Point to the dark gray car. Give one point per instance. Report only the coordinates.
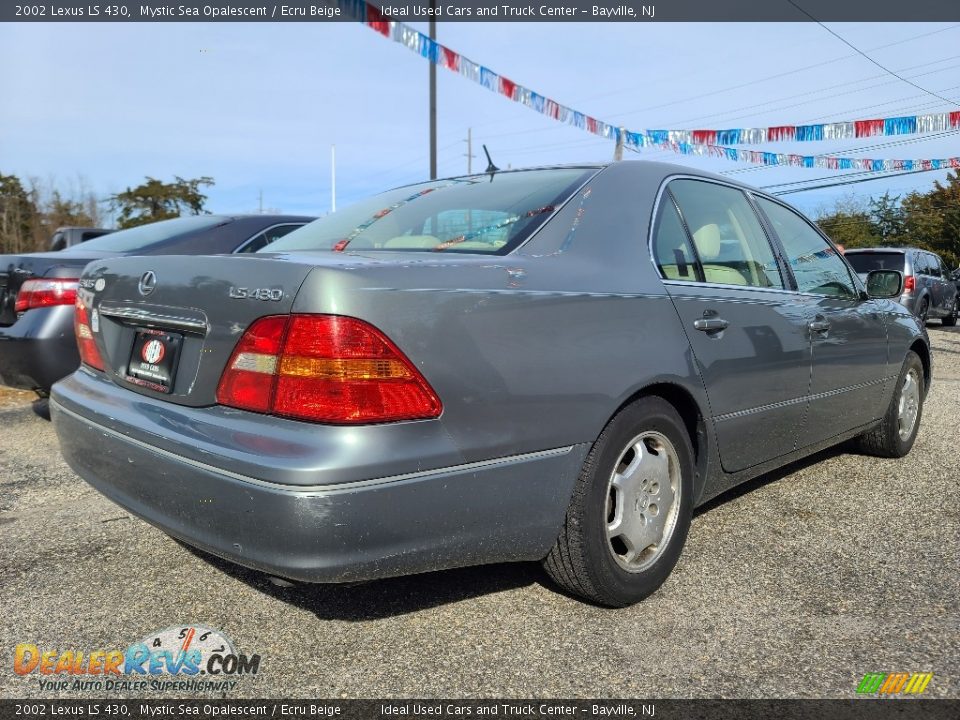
(928, 291)
(38, 290)
(555, 364)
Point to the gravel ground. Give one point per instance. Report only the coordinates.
(794, 585)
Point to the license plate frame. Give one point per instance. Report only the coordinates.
(154, 358)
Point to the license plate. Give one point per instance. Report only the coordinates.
(153, 361)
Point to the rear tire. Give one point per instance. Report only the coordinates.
(630, 512)
(923, 311)
(895, 435)
(951, 319)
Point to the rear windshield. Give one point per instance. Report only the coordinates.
(489, 214)
(143, 236)
(865, 262)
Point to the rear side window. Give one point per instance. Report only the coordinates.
(868, 261)
(727, 236)
(261, 240)
(815, 263)
(671, 246)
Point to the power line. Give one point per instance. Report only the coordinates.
(864, 55)
(855, 182)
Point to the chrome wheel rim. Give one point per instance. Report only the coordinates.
(643, 501)
(909, 404)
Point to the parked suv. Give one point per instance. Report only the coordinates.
(928, 289)
(66, 237)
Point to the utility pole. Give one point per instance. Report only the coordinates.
(618, 150)
(333, 178)
(470, 155)
(433, 95)
(261, 201)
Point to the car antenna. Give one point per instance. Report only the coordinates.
(491, 168)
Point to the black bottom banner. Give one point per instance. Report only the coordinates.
(859, 709)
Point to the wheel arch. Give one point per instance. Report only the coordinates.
(921, 349)
(694, 420)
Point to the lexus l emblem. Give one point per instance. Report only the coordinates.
(148, 281)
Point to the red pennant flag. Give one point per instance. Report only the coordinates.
(450, 59)
(507, 87)
(781, 132)
(955, 119)
(704, 137)
(867, 128)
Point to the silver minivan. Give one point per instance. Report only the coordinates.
(928, 290)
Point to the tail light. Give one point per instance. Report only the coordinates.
(325, 368)
(46, 293)
(909, 283)
(89, 352)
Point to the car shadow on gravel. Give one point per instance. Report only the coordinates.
(391, 597)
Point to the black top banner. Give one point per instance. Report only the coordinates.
(487, 11)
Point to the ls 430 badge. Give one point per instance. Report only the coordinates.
(274, 294)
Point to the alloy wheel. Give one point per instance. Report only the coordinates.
(643, 501)
(909, 406)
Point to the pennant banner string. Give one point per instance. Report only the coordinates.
(709, 143)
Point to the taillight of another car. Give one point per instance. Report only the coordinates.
(325, 368)
(89, 352)
(909, 284)
(46, 292)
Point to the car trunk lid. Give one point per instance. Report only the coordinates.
(196, 307)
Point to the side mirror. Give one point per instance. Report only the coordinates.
(884, 283)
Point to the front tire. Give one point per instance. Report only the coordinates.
(630, 512)
(895, 435)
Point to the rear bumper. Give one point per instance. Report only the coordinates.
(38, 349)
(909, 301)
(369, 527)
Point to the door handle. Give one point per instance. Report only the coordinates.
(712, 324)
(819, 326)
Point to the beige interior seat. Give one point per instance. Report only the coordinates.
(707, 240)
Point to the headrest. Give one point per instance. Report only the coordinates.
(707, 239)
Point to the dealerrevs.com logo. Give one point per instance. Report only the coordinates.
(191, 658)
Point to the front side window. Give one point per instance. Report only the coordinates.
(729, 240)
(815, 263)
(490, 214)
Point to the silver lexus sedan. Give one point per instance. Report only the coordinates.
(555, 364)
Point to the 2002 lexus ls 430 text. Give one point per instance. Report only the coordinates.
(555, 364)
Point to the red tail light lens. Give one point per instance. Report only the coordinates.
(251, 376)
(46, 293)
(89, 352)
(325, 368)
(909, 283)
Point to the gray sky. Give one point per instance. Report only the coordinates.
(257, 106)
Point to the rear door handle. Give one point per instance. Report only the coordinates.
(713, 324)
